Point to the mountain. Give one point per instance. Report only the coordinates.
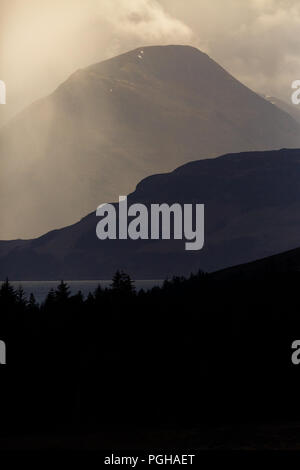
(283, 263)
(289, 108)
(252, 210)
(112, 124)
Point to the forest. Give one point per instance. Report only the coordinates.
(197, 350)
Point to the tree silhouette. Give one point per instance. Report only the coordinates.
(32, 303)
(122, 283)
(21, 297)
(62, 292)
(7, 292)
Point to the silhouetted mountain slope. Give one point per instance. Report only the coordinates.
(287, 262)
(112, 124)
(252, 210)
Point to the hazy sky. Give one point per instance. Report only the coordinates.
(43, 41)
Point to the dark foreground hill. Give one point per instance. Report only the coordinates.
(193, 355)
(112, 124)
(252, 210)
(278, 264)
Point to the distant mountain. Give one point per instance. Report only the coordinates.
(114, 123)
(252, 210)
(289, 108)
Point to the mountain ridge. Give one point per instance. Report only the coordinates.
(94, 138)
(252, 210)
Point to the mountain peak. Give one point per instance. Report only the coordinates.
(175, 63)
(169, 52)
(147, 111)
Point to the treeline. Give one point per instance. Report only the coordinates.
(17, 299)
(193, 351)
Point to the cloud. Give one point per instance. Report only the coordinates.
(145, 20)
(258, 41)
(45, 41)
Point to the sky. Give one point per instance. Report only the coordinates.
(42, 42)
